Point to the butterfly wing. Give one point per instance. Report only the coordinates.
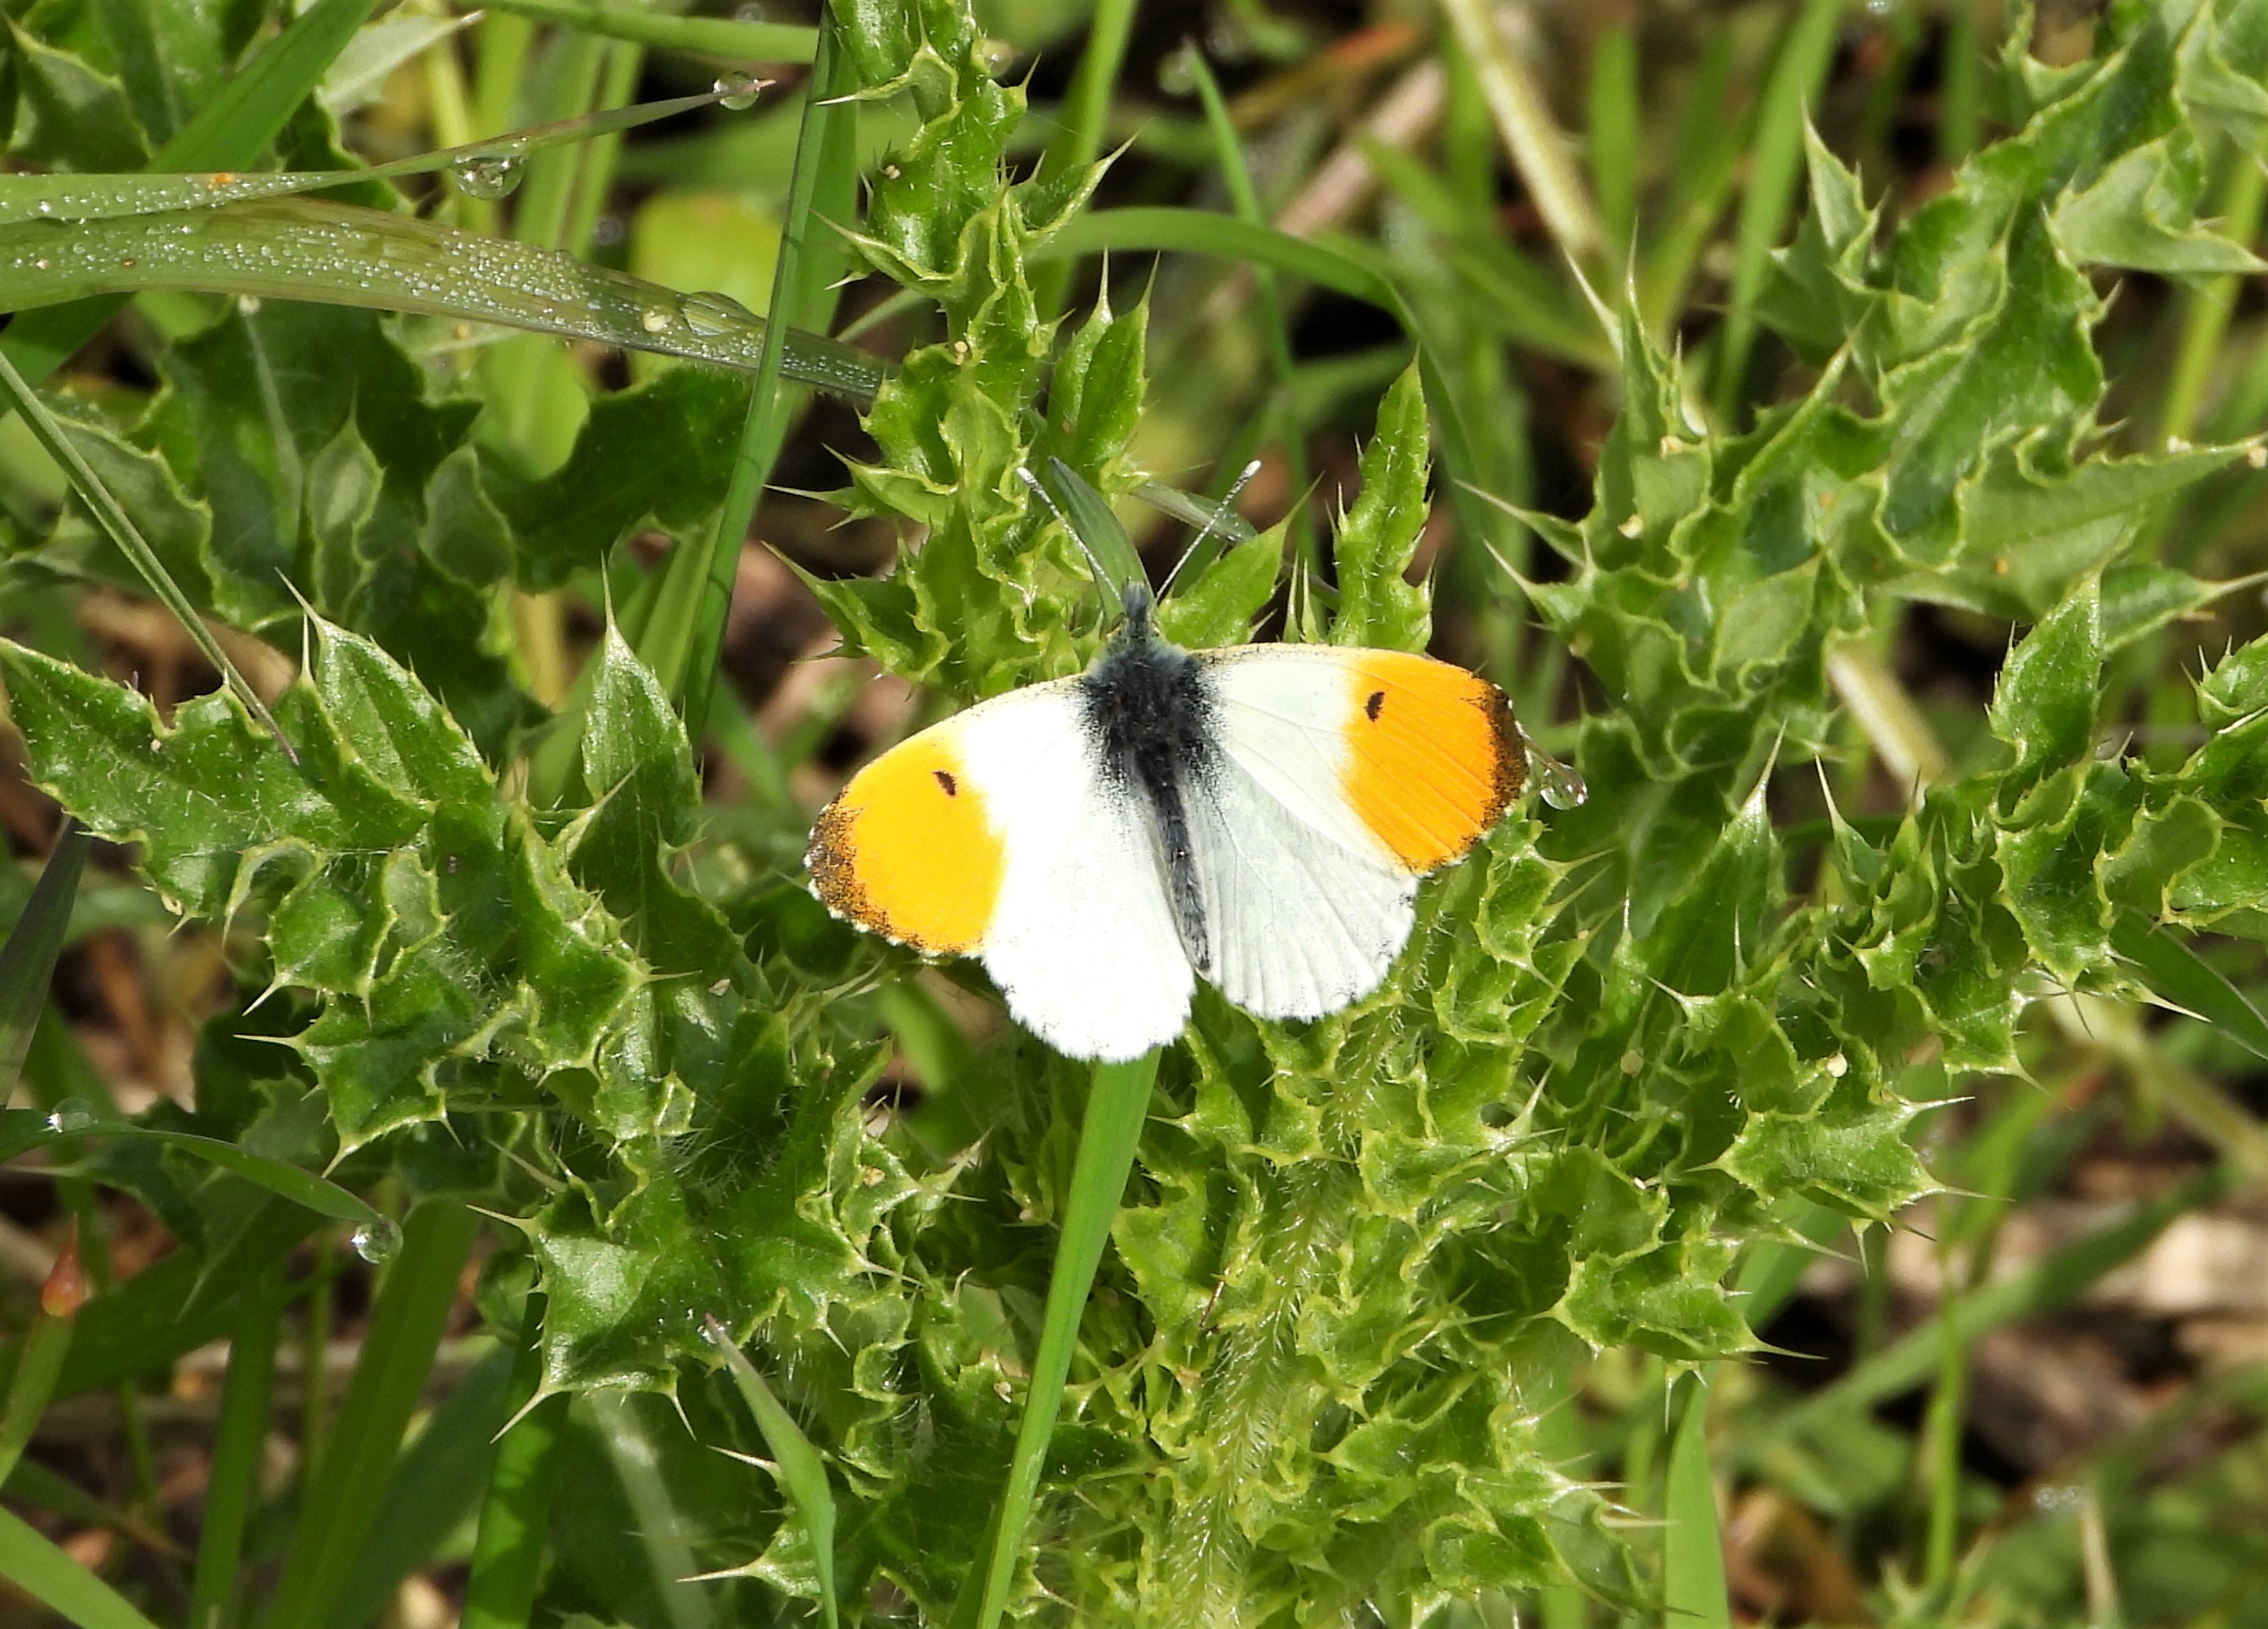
(1341, 778)
(998, 834)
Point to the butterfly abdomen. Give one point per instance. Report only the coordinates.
(1151, 716)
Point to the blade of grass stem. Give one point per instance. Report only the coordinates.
(1539, 148)
(27, 961)
(1777, 165)
(1692, 1554)
(516, 1508)
(705, 36)
(1206, 232)
(1709, 148)
(33, 1483)
(1961, 101)
(231, 131)
(239, 1444)
(50, 1576)
(660, 1524)
(802, 1472)
(822, 185)
(2186, 979)
(336, 254)
(2206, 302)
(349, 1482)
(1283, 425)
(128, 541)
(1939, 1448)
(2055, 1280)
(434, 1486)
(1077, 138)
(1613, 129)
(279, 1177)
(46, 1340)
(75, 197)
(1117, 1106)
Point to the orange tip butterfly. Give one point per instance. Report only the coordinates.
(1258, 817)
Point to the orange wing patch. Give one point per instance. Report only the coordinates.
(1434, 759)
(910, 850)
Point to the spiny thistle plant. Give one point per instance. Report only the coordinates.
(494, 952)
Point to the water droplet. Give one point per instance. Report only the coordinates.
(710, 314)
(247, 304)
(608, 230)
(654, 319)
(1562, 786)
(488, 174)
(749, 13)
(376, 1241)
(1177, 73)
(738, 92)
(46, 208)
(71, 1117)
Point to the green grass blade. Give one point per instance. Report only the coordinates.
(27, 960)
(76, 198)
(21, 1132)
(2178, 974)
(47, 1340)
(434, 1486)
(2054, 1280)
(1085, 111)
(1539, 148)
(1205, 232)
(1228, 154)
(1088, 515)
(1692, 1552)
(1939, 1445)
(349, 1483)
(127, 539)
(50, 1576)
(231, 131)
(516, 1509)
(1613, 129)
(239, 1444)
(336, 254)
(1709, 149)
(1776, 167)
(705, 36)
(821, 187)
(802, 1472)
(1117, 1108)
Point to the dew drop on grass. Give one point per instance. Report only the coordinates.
(71, 1116)
(488, 174)
(748, 13)
(709, 313)
(376, 1241)
(738, 92)
(654, 319)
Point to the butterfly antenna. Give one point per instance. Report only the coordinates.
(1217, 520)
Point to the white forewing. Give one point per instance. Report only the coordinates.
(1281, 711)
(1082, 942)
(1305, 911)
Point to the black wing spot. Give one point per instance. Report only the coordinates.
(1375, 705)
(952, 787)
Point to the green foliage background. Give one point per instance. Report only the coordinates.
(1638, 1052)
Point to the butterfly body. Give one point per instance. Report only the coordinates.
(1257, 815)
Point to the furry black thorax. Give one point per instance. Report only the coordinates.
(1150, 716)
